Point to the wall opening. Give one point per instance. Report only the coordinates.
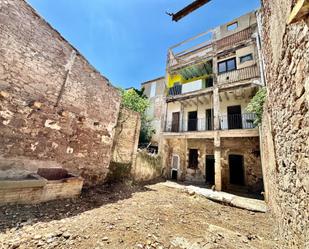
(175, 167)
(210, 169)
(236, 166)
(192, 121)
(234, 118)
(193, 159)
(175, 121)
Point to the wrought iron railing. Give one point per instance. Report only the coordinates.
(201, 124)
(237, 121)
(227, 122)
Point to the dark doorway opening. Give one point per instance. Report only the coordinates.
(236, 165)
(192, 121)
(234, 117)
(175, 121)
(210, 169)
(174, 175)
(193, 158)
(209, 119)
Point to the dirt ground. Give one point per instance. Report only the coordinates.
(126, 216)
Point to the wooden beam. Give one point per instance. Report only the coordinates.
(300, 11)
(188, 9)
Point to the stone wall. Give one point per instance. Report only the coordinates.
(126, 137)
(286, 52)
(249, 148)
(55, 108)
(148, 167)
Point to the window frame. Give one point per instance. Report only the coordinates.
(244, 56)
(225, 62)
(232, 26)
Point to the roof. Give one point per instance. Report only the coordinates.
(149, 81)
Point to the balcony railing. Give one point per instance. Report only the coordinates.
(234, 39)
(201, 124)
(238, 75)
(227, 122)
(237, 121)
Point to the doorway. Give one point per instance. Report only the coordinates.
(175, 121)
(210, 169)
(234, 117)
(175, 167)
(192, 121)
(236, 166)
(193, 158)
(209, 119)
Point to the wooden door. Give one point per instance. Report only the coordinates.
(175, 121)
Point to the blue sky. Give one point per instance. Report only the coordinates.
(127, 40)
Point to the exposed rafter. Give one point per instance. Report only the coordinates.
(188, 9)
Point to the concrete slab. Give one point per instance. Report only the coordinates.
(223, 197)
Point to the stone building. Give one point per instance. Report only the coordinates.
(55, 108)
(207, 135)
(285, 129)
(155, 91)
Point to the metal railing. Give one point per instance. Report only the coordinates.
(237, 121)
(238, 75)
(200, 124)
(227, 122)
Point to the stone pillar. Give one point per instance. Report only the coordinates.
(217, 140)
(181, 117)
(217, 154)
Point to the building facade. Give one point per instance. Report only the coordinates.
(207, 134)
(155, 92)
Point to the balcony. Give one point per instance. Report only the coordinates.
(227, 122)
(237, 121)
(239, 75)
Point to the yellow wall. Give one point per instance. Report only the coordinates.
(172, 79)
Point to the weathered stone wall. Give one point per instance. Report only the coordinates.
(126, 137)
(175, 147)
(55, 108)
(286, 52)
(147, 167)
(249, 148)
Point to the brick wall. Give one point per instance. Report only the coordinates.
(55, 108)
(286, 52)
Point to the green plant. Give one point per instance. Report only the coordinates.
(256, 105)
(137, 101)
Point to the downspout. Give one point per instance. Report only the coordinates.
(258, 36)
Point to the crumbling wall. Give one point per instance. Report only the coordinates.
(286, 53)
(174, 147)
(55, 108)
(249, 148)
(148, 167)
(126, 137)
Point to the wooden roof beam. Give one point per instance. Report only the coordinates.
(188, 9)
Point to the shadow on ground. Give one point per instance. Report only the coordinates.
(17, 216)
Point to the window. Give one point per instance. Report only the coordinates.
(247, 57)
(153, 89)
(176, 89)
(232, 26)
(226, 66)
(193, 159)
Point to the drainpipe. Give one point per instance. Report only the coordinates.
(258, 36)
